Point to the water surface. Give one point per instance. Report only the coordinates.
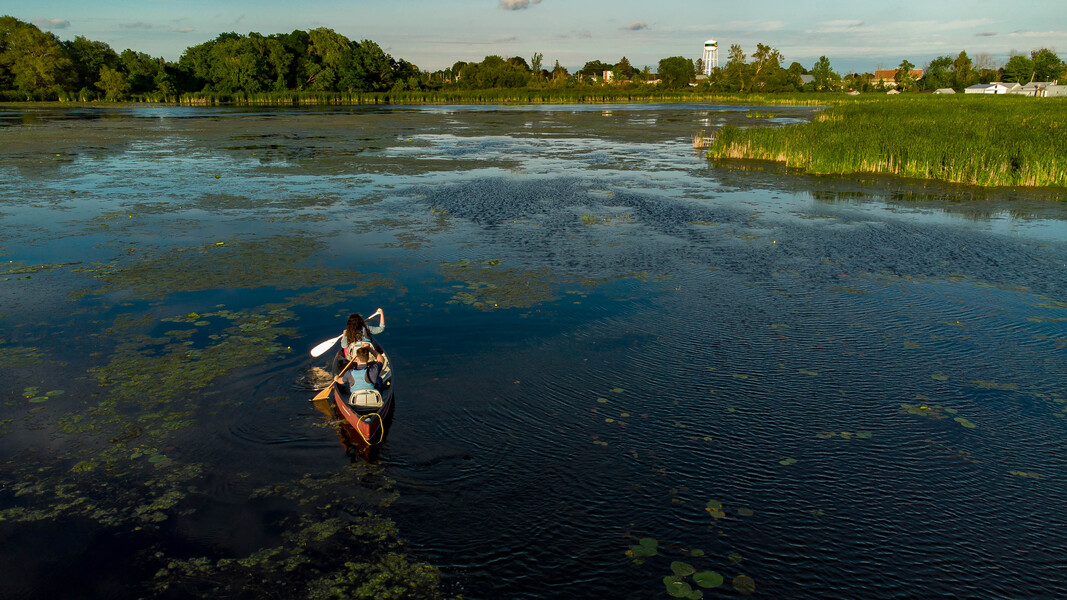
(825, 387)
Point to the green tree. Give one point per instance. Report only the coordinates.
(1019, 69)
(595, 68)
(905, 80)
(559, 74)
(938, 73)
(536, 64)
(735, 68)
(676, 72)
(87, 57)
(1047, 65)
(367, 68)
(623, 70)
(113, 83)
(963, 71)
(766, 61)
(825, 78)
(35, 62)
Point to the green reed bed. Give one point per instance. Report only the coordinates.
(986, 141)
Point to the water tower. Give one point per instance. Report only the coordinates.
(711, 56)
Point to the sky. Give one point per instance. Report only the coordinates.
(856, 35)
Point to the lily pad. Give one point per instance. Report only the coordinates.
(39, 399)
(696, 552)
(863, 435)
(682, 569)
(744, 585)
(963, 421)
(787, 461)
(708, 579)
(157, 458)
(649, 542)
(53, 393)
(939, 377)
(745, 512)
(617, 390)
(734, 557)
(677, 588)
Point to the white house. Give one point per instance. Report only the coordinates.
(995, 87)
(1037, 89)
(944, 91)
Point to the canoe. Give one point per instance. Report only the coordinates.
(367, 412)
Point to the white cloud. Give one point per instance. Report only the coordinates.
(137, 25)
(182, 29)
(636, 26)
(51, 23)
(985, 34)
(517, 4)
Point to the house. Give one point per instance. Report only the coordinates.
(994, 87)
(944, 91)
(806, 79)
(1056, 91)
(893, 92)
(888, 77)
(608, 76)
(1036, 89)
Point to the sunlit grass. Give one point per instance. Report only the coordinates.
(983, 141)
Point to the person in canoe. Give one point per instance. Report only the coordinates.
(365, 372)
(358, 331)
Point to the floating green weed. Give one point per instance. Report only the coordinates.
(787, 461)
(744, 585)
(677, 588)
(682, 569)
(708, 579)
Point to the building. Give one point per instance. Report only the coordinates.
(888, 77)
(994, 87)
(944, 91)
(1037, 89)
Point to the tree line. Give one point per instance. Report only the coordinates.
(37, 65)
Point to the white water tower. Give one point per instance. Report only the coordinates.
(711, 56)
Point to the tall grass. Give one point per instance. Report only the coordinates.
(984, 140)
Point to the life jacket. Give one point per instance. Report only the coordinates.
(359, 374)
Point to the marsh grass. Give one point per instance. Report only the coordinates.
(981, 141)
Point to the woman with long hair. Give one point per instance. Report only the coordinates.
(359, 333)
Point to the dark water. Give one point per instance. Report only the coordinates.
(595, 333)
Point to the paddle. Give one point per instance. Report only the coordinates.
(325, 393)
(323, 347)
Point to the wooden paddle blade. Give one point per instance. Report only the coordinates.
(323, 347)
(324, 394)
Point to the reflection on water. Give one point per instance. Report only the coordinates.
(624, 370)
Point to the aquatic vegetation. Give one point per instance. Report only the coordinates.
(678, 588)
(845, 435)
(682, 569)
(708, 579)
(745, 512)
(279, 261)
(20, 357)
(490, 286)
(744, 585)
(785, 462)
(963, 140)
(714, 508)
(993, 385)
(1025, 474)
(644, 548)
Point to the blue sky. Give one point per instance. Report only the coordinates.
(434, 34)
